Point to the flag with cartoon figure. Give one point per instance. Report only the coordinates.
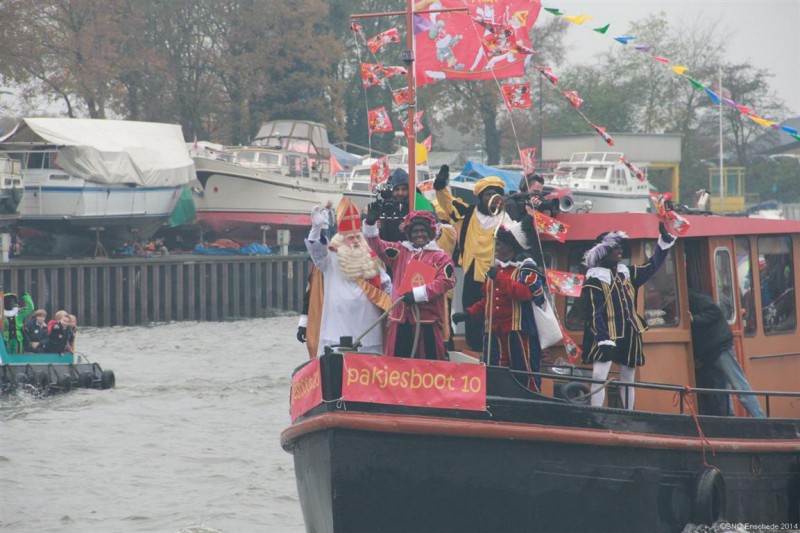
(402, 96)
(371, 74)
(379, 121)
(566, 283)
(388, 72)
(411, 129)
(517, 95)
(672, 220)
(528, 158)
(378, 172)
(550, 226)
(633, 168)
(382, 39)
(489, 41)
(574, 351)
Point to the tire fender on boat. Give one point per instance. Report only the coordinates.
(576, 392)
(108, 380)
(710, 498)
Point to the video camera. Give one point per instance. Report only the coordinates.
(390, 209)
(553, 201)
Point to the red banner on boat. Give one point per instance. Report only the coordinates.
(416, 382)
(491, 41)
(306, 389)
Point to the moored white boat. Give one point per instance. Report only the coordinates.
(11, 189)
(273, 183)
(602, 179)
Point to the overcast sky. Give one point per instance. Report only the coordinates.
(765, 33)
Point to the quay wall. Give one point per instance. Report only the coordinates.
(139, 291)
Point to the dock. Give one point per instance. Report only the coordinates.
(140, 291)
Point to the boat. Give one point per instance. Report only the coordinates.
(98, 180)
(359, 184)
(387, 444)
(270, 185)
(604, 180)
(11, 188)
(50, 373)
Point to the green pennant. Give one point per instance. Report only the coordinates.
(602, 30)
(796, 137)
(696, 84)
(554, 11)
(422, 204)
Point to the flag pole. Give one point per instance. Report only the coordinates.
(721, 151)
(411, 131)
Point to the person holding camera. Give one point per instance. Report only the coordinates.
(391, 207)
(475, 226)
(531, 192)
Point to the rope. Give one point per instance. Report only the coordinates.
(357, 342)
(689, 403)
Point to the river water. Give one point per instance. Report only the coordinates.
(187, 442)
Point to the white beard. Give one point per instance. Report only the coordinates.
(355, 262)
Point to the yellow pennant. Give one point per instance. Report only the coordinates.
(679, 69)
(580, 19)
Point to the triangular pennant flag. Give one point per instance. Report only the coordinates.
(762, 121)
(744, 109)
(679, 69)
(633, 168)
(696, 84)
(602, 29)
(602, 132)
(554, 11)
(796, 137)
(714, 96)
(642, 47)
(547, 72)
(579, 19)
(661, 59)
(624, 39)
(422, 204)
(790, 131)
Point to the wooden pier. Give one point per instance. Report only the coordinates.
(138, 291)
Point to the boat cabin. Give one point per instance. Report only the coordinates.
(748, 266)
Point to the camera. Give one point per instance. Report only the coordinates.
(390, 209)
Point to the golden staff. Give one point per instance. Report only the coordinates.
(494, 211)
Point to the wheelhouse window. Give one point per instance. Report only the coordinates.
(723, 279)
(661, 309)
(776, 276)
(744, 274)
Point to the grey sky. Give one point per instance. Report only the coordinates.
(764, 33)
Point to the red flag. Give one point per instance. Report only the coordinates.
(428, 142)
(402, 96)
(379, 41)
(355, 27)
(670, 218)
(550, 226)
(417, 124)
(573, 98)
(566, 283)
(547, 72)
(371, 74)
(491, 41)
(379, 121)
(633, 168)
(528, 158)
(378, 172)
(388, 72)
(602, 132)
(574, 351)
(517, 95)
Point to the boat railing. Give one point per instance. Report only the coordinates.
(572, 374)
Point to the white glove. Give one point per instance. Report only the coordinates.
(320, 220)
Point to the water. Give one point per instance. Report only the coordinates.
(188, 441)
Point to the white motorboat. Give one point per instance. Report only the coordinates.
(248, 191)
(11, 188)
(113, 179)
(604, 180)
(359, 187)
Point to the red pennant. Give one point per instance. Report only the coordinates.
(388, 72)
(379, 121)
(574, 351)
(602, 132)
(428, 142)
(517, 95)
(528, 158)
(547, 72)
(633, 168)
(382, 39)
(566, 283)
(402, 96)
(670, 218)
(550, 226)
(417, 126)
(573, 98)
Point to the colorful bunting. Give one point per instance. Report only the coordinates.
(566, 283)
(603, 29)
(642, 47)
(553, 10)
(761, 121)
(528, 158)
(795, 136)
(580, 19)
(602, 132)
(790, 131)
(382, 39)
(379, 121)
(378, 172)
(550, 226)
(517, 95)
(573, 98)
(661, 59)
(679, 69)
(624, 39)
(696, 84)
(714, 96)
